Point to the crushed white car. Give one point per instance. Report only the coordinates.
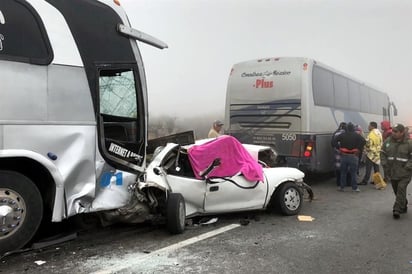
(217, 176)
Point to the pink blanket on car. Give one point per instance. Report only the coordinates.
(234, 158)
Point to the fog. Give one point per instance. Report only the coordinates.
(370, 40)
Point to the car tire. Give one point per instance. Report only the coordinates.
(289, 199)
(176, 213)
(21, 210)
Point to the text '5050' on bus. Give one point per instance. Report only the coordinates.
(295, 104)
(73, 116)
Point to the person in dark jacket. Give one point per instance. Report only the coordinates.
(336, 152)
(386, 132)
(396, 159)
(350, 143)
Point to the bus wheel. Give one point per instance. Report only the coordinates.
(176, 213)
(289, 199)
(21, 210)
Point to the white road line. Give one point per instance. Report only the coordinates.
(133, 259)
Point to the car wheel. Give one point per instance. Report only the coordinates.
(289, 199)
(21, 210)
(176, 213)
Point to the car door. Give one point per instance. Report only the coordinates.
(193, 191)
(234, 194)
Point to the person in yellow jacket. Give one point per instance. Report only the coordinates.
(372, 151)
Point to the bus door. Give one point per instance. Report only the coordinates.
(121, 118)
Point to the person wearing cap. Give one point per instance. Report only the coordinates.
(350, 145)
(216, 129)
(396, 159)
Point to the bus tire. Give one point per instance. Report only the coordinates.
(176, 213)
(289, 199)
(21, 210)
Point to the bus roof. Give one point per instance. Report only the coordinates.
(66, 32)
(290, 59)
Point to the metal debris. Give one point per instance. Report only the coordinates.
(210, 221)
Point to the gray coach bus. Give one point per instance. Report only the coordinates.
(294, 104)
(73, 117)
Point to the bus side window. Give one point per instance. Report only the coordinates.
(23, 37)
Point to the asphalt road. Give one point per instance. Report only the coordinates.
(350, 233)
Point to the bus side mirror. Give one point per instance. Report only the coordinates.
(394, 108)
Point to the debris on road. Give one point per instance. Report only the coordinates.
(209, 222)
(244, 222)
(305, 218)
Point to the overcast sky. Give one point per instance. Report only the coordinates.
(370, 40)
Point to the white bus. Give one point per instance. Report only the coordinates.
(73, 116)
(295, 104)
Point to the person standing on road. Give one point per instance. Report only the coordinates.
(396, 159)
(351, 143)
(359, 130)
(386, 129)
(372, 150)
(386, 132)
(336, 152)
(215, 130)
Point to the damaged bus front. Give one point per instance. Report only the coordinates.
(73, 112)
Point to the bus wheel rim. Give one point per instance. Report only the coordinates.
(12, 212)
